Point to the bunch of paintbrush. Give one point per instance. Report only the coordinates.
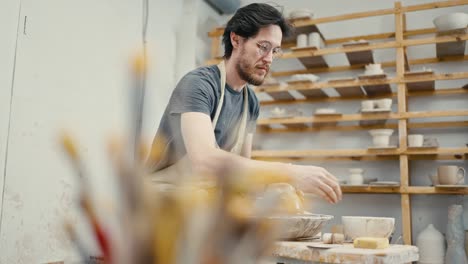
(186, 223)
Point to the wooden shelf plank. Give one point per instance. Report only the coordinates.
(427, 6)
(335, 50)
(321, 85)
(427, 125)
(462, 190)
(324, 119)
(359, 57)
(386, 35)
(385, 64)
(456, 48)
(435, 190)
(429, 114)
(374, 46)
(295, 126)
(441, 92)
(370, 189)
(435, 40)
(353, 153)
(361, 117)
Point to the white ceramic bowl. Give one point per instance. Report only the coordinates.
(451, 21)
(278, 111)
(305, 77)
(366, 226)
(415, 140)
(325, 111)
(296, 227)
(384, 103)
(381, 132)
(300, 13)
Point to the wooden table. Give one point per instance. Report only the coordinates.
(317, 252)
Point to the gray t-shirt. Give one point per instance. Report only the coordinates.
(199, 91)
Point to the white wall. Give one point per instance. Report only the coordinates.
(72, 72)
(426, 208)
(8, 27)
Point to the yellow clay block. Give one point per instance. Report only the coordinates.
(371, 242)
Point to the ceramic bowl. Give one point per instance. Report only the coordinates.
(297, 227)
(384, 103)
(305, 77)
(278, 111)
(381, 132)
(366, 226)
(300, 13)
(451, 21)
(325, 111)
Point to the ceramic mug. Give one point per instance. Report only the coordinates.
(367, 105)
(301, 41)
(373, 69)
(384, 103)
(450, 174)
(415, 140)
(314, 39)
(381, 141)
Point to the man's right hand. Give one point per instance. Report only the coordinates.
(316, 180)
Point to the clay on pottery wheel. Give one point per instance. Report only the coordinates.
(291, 201)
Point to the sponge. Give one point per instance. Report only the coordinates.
(371, 242)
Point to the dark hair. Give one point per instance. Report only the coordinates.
(248, 20)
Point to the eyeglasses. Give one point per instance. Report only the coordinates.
(264, 48)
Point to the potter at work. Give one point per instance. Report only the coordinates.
(234, 132)
(212, 114)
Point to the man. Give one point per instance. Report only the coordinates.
(211, 116)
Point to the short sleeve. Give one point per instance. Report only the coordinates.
(193, 94)
(252, 123)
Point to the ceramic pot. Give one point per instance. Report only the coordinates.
(451, 21)
(381, 137)
(430, 243)
(416, 140)
(356, 177)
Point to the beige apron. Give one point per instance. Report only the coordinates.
(182, 168)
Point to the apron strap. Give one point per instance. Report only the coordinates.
(237, 148)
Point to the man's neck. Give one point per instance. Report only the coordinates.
(232, 77)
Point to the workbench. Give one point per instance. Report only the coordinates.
(289, 252)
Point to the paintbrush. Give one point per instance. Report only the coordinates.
(99, 233)
(73, 236)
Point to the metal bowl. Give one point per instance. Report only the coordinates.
(299, 227)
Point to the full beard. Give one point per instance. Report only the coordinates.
(245, 71)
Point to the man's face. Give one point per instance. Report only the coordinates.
(256, 54)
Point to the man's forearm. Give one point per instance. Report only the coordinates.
(216, 159)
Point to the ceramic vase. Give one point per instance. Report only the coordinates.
(430, 243)
(455, 236)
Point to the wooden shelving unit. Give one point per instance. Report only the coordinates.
(449, 46)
